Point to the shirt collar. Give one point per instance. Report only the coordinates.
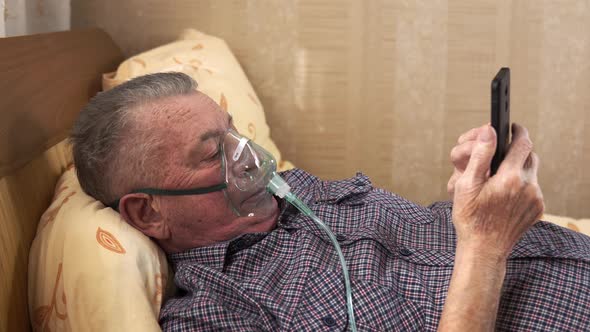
(347, 189)
(212, 256)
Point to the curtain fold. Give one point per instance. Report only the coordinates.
(25, 17)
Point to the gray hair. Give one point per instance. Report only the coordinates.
(108, 160)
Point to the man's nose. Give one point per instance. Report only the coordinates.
(246, 165)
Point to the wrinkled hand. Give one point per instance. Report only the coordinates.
(490, 214)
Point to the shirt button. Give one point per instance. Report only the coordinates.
(340, 237)
(405, 252)
(329, 321)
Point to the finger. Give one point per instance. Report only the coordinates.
(519, 150)
(461, 153)
(531, 168)
(481, 155)
(470, 135)
(452, 181)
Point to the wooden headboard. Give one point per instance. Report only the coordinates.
(44, 82)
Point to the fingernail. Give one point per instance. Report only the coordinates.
(485, 135)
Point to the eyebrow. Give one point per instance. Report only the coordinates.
(216, 132)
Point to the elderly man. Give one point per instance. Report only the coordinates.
(478, 264)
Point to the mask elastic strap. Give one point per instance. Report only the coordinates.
(240, 148)
(172, 192)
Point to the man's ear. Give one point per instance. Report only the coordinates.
(142, 212)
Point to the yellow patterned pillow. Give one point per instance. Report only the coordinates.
(90, 271)
(210, 62)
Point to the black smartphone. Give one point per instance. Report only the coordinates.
(501, 115)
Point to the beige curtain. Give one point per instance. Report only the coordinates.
(23, 17)
(3, 15)
(387, 86)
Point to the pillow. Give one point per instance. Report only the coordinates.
(578, 225)
(89, 270)
(210, 62)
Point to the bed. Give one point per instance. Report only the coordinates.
(44, 82)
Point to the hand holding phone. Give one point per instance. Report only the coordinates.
(501, 116)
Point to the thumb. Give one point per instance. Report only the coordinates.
(482, 154)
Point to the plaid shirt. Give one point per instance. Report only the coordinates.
(400, 256)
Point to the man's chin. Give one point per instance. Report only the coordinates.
(263, 217)
(266, 206)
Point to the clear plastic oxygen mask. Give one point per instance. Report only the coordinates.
(247, 168)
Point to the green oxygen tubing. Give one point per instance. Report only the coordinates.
(277, 186)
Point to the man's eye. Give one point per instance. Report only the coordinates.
(216, 155)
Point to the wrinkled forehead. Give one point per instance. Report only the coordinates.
(191, 114)
(185, 125)
(191, 106)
